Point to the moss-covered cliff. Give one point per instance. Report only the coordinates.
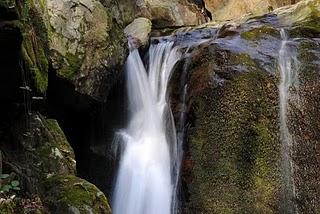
(233, 157)
(234, 145)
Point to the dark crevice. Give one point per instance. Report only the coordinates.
(89, 126)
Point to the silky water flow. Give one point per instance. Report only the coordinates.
(149, 155)
(288, 88)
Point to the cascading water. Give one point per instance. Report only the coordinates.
(288, 65)
(150, 160)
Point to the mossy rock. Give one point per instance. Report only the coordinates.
(7, 206)
(304, 126)
(233, 162)
(310, 28)
(87, 45)
(259, 33)
(46, 148)
(52, 153)
(299, 13)
(46, 167)
(234, 146)
(35, 44)
(70, 194)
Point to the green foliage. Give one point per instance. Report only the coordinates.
(7, 184)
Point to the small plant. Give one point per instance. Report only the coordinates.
(7, 185)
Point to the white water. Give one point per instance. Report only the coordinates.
(150, 160)
(288, 65)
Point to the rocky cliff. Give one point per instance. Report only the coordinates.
(61, 90)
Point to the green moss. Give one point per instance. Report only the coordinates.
(70, 192)
(267, 171)
(59, 138)
(259, 33)
(235, 148)
(73, 67)
(37, 63)
(56, 154)
(35, 45)
(242, 59)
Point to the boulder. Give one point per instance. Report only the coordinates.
(232, 9)
(86, 45)
(72, 195)
(170, 13)
(139, 30)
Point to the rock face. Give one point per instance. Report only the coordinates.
(234, 147)
(85, 44)
(170, 13)
(233, 161)
(231, 9)
(83, 41)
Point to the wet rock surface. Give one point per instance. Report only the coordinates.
(233, 151)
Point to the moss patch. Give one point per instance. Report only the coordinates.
(260, 33)
(54, 154)
(35, 45)
(72, 68)
(234, 145)
(68, 192)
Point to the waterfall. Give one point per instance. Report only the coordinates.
(150, 157)
(288, 65)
